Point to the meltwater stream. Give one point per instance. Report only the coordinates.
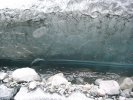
(77, 71)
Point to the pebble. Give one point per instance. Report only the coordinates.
(122, 98)
(94, 90)
(87, 87)
(131, 94)
(88, 95)
(126, 93)
(72, 88)
(6, 80)
(61, 91)
(32, 85)
(13, 84)
(100, 98)
(3, 76)
(109, 99)
(97, 81)
(79, 80)
(101, 92)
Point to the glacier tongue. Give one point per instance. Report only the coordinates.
(99, 30)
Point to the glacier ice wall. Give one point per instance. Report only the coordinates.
(99, 30)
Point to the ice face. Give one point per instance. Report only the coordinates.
(99, 30)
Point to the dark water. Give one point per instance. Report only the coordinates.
(74, 70)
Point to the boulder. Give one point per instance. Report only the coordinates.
(127, 83)
(7, 93)
(25, 75)
(110, 87)
(58, 80)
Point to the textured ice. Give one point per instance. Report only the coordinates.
(99, 30)
(88, 7)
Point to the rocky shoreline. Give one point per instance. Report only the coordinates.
(27, 84)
